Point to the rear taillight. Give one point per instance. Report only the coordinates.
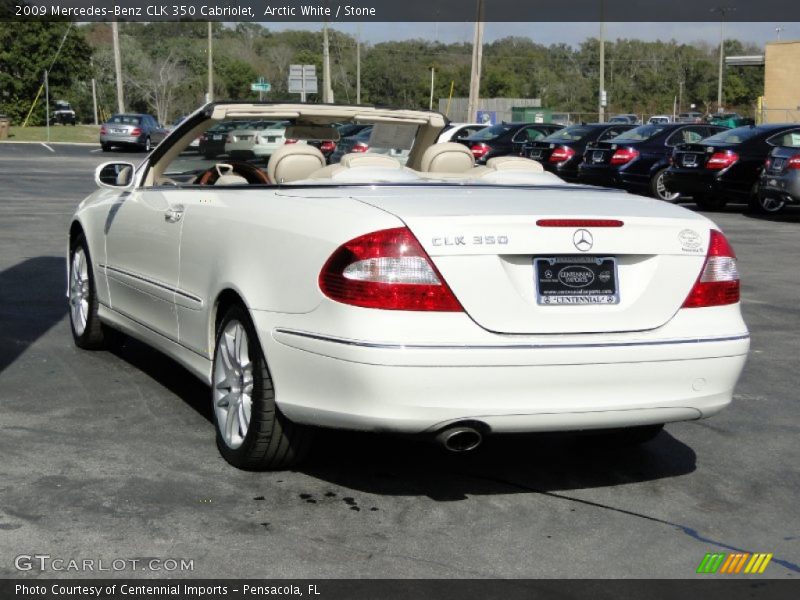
(103, 130)
(624, 155)
(479, 150)
(360, 147)
(561, 154)
(793, 162)
(718, 283)
(327, 146)
(386, 269)
(136, 131)
(290, 141)
(722, 160)
(229, 138)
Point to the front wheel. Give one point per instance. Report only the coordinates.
(659, 188)
(87, 330)
(252, 433)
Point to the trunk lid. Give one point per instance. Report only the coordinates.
(486, 242)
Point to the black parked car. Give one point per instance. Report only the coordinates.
(561, 152)
(637, 159)
(726, 167)
(505, 139)
(780, 179)
(212, 142)
(358, 142)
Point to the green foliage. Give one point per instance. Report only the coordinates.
(26, 50)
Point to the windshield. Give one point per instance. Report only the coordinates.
(638, 134)
(569, 134)
(490, 132)
(732, 136)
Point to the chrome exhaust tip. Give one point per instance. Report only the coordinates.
(459, 438)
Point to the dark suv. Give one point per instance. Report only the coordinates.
(561, 152)
(637, 159)
(725, 167)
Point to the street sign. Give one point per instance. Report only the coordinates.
(260, 86)
(302, 80)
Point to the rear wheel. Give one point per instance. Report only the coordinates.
(252, 433)
(105, 147)
(768, 205)
(659, 189)
(87, 331)
(710, 202)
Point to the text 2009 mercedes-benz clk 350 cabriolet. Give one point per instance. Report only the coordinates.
(432, 297)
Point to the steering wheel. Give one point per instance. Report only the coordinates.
(250, 172)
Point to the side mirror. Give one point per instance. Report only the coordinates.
(114, 175)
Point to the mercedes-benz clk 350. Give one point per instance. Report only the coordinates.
(434, 298)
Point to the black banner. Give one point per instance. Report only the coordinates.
(265, 11)
(714, 588)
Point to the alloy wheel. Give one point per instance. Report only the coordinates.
(79, 292)
(233, 384)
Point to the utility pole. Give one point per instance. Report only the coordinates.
(475, 75)
(601, 109)
(358, 65)
(47, 101)
(210, 93)
(680, 94)
(94, 90)
(433, 71)
(327, 92)
(117, 66)
(721, 10)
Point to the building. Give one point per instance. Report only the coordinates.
(781, 103)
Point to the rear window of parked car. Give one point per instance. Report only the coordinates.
(491, 132)
(733, 136)
(638, 134)
(126, 119)
(569, 134)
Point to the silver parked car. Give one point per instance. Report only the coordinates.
(142, 131)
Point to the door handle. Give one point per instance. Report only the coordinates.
(174, 214)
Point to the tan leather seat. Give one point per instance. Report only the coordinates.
(369, 159)
(514, 163)
(293, 162)
(449, 157)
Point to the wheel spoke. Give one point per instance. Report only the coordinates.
(231, 421)
(227, 399)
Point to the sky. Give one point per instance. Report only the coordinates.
(551, 33)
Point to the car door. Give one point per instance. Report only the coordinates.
(143, 233)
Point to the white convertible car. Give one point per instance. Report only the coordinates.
(437, 298)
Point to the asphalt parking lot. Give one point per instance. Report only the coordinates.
(110, 455)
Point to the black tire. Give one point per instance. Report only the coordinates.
(630, 436)
(271, 442)
(710, 203)
(767, 205)
(93, 335)
(660, 192)
(105, 147)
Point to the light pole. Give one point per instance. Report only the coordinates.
(602, 101)
(722, 10)
(475, 75)
(210, 94)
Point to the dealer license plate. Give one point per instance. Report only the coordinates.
(576, 280)
(535, 154)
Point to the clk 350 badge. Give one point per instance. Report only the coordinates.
(471, 240)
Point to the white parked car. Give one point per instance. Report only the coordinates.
(259, 139)
(659, 120)
(456, 131)
(436, 299)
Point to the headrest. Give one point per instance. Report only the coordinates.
(448, 157)
(292, 162)
(514, 163)
(369, 159)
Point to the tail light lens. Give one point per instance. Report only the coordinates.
(327, 146)
(479, 150)
(136, 131)
(386, 269)
(624, 155)
(718, 283)
(360, 147)
(722, 160)
(290, 141)
(561, 154)
(793, 162)
(103, 130)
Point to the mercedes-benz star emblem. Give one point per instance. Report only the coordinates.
(583, 240)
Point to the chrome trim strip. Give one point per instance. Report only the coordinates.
(385, 346)
(157, 284)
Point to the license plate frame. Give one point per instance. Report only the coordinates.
(562, 280)
(597, 156)
(689, 160)
(535, 154)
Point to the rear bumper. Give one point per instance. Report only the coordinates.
(121, 139)
(512, 387)
(602, 176)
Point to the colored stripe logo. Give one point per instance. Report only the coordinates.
(734, 563)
